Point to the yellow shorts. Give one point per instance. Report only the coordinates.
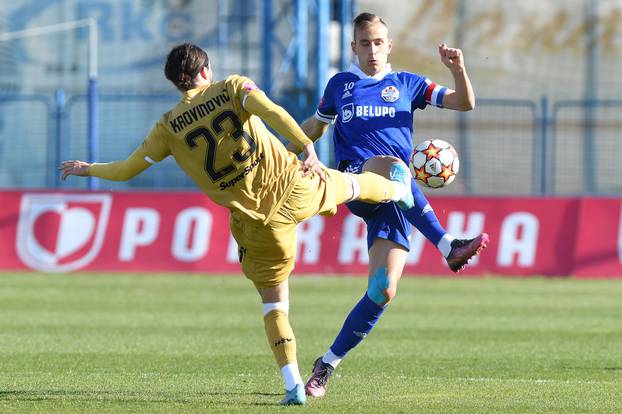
(267, 251)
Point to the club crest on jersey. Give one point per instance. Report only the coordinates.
(347, 112)
(390, 94)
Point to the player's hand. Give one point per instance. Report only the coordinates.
(310, 163)
(451, 57)
(74, 167)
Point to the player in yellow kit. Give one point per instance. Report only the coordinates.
(215, 135)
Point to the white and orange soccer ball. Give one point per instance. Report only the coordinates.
(434, 163)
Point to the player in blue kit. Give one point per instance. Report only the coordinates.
(372, 108)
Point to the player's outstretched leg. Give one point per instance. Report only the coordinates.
(457, 252)
(372, 188)
(395, 170)
(356, 327)
(463, 249)
(422, 216)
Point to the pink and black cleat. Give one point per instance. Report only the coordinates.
(463, 249)
(316, 386)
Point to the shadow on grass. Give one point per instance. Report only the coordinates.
(586, 368)
(121, 396)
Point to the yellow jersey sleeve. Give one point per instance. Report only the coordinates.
(153, 149)
(154, 146)
(240, 88)
(121, 170)
(255, 102)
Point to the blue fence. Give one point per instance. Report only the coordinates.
(27, 141)
(506, 147)
(586, 146)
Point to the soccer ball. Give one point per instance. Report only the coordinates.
(434, 163)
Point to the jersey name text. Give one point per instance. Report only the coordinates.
(197, 112)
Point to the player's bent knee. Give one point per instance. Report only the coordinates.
(381, 164)
(389, 293)
(379, 287)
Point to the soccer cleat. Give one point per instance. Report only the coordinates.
(295, 396)
(316, 386)
(399, 172)
(463, 249)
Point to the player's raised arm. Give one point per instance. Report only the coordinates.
(462, 97)
(152, 149)
(257, 103)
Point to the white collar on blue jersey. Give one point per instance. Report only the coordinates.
(354, 68)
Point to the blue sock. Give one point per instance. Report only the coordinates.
(423, 217)
(358, 324)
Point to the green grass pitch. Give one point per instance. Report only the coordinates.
(106, 343)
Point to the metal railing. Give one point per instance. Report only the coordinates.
(506, 147)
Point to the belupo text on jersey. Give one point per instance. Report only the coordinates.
(350, 110)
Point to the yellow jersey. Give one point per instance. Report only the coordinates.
(228, 153)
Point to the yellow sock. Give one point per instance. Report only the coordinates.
(281, 337)
(375, 188)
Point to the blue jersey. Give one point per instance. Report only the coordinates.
(374, 115)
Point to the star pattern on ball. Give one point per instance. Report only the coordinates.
(446, 172)
(421, 174)
(431, 152)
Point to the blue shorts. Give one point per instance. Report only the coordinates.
(385, 221)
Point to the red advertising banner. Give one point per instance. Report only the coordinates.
(160, 231)
(598, 245)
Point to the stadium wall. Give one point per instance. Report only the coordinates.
(156, 232)
(548, 116)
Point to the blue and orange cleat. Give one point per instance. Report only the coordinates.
(295, 396)
(399, 172)
(463, 249)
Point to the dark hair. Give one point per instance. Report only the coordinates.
(183, 64)
(364, 20)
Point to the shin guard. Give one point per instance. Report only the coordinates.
(280, 337)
